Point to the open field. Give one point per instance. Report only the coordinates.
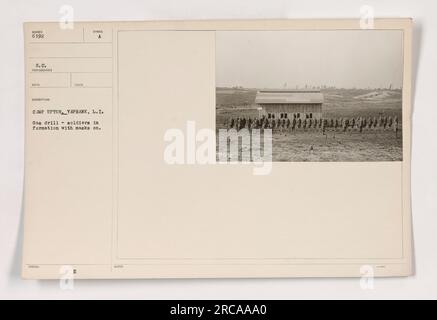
(313, 145)
(348, 146)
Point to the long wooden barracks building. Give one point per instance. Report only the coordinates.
(289, 104)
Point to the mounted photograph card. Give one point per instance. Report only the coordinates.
(217, 149)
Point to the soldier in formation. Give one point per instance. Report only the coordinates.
(358, 124)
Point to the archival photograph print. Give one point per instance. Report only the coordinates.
(332, 95)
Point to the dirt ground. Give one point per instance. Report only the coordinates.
(337, 146)
(315, 146)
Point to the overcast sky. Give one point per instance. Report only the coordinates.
(278, 59)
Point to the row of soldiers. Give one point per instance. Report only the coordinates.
(360, 123)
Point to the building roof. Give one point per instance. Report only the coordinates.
(288, 96)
